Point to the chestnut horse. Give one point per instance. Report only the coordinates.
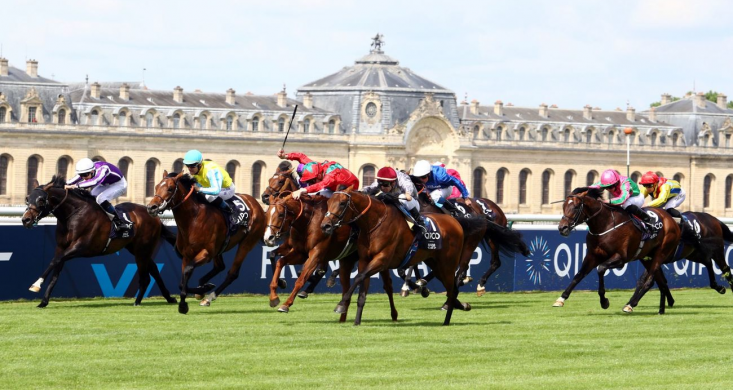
(82, 230)
(613, 240)
(385, 239)
(202, 233)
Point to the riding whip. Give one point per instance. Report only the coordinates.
(289, 126)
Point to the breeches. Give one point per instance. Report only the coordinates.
(109, 192)
(224, 194)
(440, 193)
(676, 201)
(637, 201)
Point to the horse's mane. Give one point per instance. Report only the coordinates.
(187, 180)
(57, 181)
(594, 193)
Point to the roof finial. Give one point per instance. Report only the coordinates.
(87, 80)
(283, 87)
(377, 43)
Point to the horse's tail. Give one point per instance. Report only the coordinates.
(509, 241)
(727, 235)
(170, 237)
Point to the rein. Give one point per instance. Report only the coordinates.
(44, 211)
(278, 234)
(340, 217)
(579, 212)
(169, 201)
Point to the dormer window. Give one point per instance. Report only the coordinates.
(203, 121)
(588, 136)
(255, 124)
(94, 118)
(149, 119)
(281, 124)
(123, 118)
(654, 139)
(332, 125)
(307, 125)
(499, 130)
(675, 138)
(3, 113)
(32, 115)
(544, 133)
(522, 131)
(566, 135)
(176, 120)
(61, 117)
(230, 122)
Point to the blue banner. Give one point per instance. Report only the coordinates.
(553, 262)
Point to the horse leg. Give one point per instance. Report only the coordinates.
(51, 284)
(290, 258)
(387, 285)
(331, 281)
(313, 280)
(361, 300)
(57, 264)
(233, 274)
(708, 263)
(187, 271)
(281, 283)
(589, 263)
(58, 254)
(143, 278)
(494, 265)
(366, 270)
(602, 286)
(345, 267)
(405, 290)
(314, 258)
(719, 258)
(215, 270)
(155, 273)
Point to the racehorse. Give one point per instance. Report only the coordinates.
(281, 181)
(203, 233)
(613, 241)
(83, 228)
(385, 239)
(302, 219)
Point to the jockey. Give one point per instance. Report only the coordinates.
(106, 183)
(211, 180)
(323, 178)
(456, 193)
(623, 192)
(440, 185)
(399, 184)
(665, 193)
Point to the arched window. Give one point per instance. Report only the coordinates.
(4, 163)
(523, 175)
(660, 174)
(568, 184)
(3, 113)
(331, 126)
(281, 124)
(178, 165)
(98, 158)
(306, 125)
(728, 185)
(232, 170)
(675, 138)
(61, 117)
(546, 186)
(678, 178)
(32, 174)
(124, 165)
(150, 178)
(62, 166)
(566, 135)
(256, 178)
(544, 133)
(499, 131)
(149, 120)
(368, 175)
(32, 117)
(203, 122)
(654, 139)
(176, 120)
(707, 183)
(500, 175)
(123, 118)
(635, 176)
(590, 178)
(94, 118)
(479, 175)
(256, 123)
(230, 122)
(522, 131)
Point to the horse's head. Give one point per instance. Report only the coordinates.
(341, 207)
(38, 203)
(167, 192)
(575, 209)
(277, 217)
(280, 182)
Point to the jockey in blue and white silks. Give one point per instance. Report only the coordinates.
(440, 184)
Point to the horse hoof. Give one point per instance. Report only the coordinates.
(198, 297)
(670, 302)
(424, 292)
(274, 302)
(628, 309)
(445, 307)
(404, 293)
(466, 306)
(183, 308)
(340, 309)
(302, 295)
(421, 282)
(282, 284)
(604, 303)
(467, 280)
(136, 304)
(34, 289)
(171, 300)
(559, 303)
(480, 290)
(720, 290)
(42, 305)
(283, 309)
(205, 302)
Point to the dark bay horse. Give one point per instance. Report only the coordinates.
(384, 241)
(310, 246)
(202, 233)
(83, 228)
(613, 240)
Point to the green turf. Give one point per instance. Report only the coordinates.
(508, 341)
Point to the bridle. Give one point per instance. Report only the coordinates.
(169, 202)
(579, 212)
(279, 229)
(349, 205)
(287, 176)
(44, 211)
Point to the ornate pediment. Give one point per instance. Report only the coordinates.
(3, 99)
(727, 124)
(31, 97)
(427, 107)
(61, 100)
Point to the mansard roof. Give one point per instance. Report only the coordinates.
(16, 75)
(687, 105)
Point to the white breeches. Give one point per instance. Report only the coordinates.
(109, 192)
(409, 204)
(676, 201)
(637, 201)
(224, 194)
(441, 192)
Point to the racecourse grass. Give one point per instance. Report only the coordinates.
(508, 341)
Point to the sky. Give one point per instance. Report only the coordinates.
(570, 53)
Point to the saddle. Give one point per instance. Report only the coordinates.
(240, 215)
(647, 232)
(124, 216)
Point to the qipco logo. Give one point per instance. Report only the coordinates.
(432, 236)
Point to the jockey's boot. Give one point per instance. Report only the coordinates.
(633, 209)
(685, 222)
(222, 205)
(454, 211)
(418, 221)
(121, 226)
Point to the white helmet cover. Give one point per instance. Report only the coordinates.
(84, 165)
(422, 168)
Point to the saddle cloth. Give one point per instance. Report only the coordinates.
(647, 233)
(485, 209)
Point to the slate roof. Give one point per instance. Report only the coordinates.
(687, 105)
(16, 75)
(531, 114)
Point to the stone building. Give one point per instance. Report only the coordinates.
(365, 116)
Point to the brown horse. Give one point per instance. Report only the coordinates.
(82, 230)
(385, 239)
(614, 240)
(202, 233)
(281, 181)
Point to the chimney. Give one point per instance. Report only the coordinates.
(666, 98)
(124, 92)
(178, 94)
(95, 90)
(308, 100)
(499, 108)
(722, 101)
(631, 114)
(473, 107)
(282, 98)
(230, 96)
(3, 67)
(543, 110)
(700, 99)
(652, 115)
(31, 67)
(588, 112)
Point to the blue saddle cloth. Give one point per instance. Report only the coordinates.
(647, 232)
(125, 216)
(431, 239)
(240, 216)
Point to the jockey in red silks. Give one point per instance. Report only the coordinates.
(322, 178)
(456, 191)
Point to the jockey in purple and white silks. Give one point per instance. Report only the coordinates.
(106, 182)
(439, 185)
